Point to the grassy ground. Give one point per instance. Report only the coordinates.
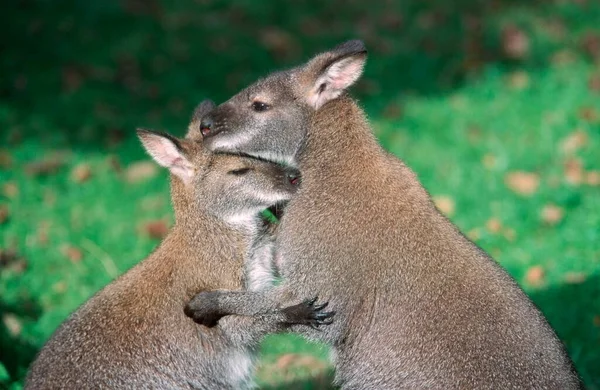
(496, 105)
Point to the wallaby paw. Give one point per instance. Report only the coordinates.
(308, 313)
(203, 311)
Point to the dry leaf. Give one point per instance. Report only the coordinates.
(72, 253)
(156, 229)
(12, 324)
(535, 275)
(574, 141)
(10, 189)
(592, 178)
(594, 83)
(522, 183)
(493, 225)
(552, 214)
(47, 166)
(589, 114)
(294, 361)
(510, 234)
(474, 234)
(4, 214)
(140, 171)
(591, 45)
(445, 204)
(392, 111)
(81, 173)
(575, 277)
(5, 159)
(573, 170)
(489, 161)
(518, 80)
(596, 321)
(515, 43)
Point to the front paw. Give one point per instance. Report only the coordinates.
(308, 313)
(204, 310)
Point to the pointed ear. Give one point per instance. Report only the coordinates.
(166, 150)
(327, 75)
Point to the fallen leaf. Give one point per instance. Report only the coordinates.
(72, 253)
(156, 229)
(81, 173)
(515, 42)
(552, 214)
(594, 83)
(535, 275)
(295, 361)
(140, 171)
(4, 214)
(575, 277)
(596, 321)
(592, 178)
(589, 114)
(518, 80)
(591, 45)
(489, 161)
(445, 204)
(522, 183)
(5, 159)
(574, 141)
(493, 225)
(12, 324)
(60, 287)
(564, 57)
(11, 260)
(474, 234)
(573, 170)
(46, 166)
(509, 234)
(392, 111)
(10, 189)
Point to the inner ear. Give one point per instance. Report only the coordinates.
(168, 152)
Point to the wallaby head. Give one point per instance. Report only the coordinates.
(232, 188)
(269, 119)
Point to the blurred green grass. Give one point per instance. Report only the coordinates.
(467, 93)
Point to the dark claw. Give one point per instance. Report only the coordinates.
(307, 313)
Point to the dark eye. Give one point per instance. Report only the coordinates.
(260, 106)
(239, 172)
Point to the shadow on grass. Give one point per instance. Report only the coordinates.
(16, 353)
(573, 310)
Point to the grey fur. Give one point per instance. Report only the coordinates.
(419, 305)
(134, 333)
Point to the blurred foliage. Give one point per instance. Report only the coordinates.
(495, 104)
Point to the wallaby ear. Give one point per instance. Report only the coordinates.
(167, 152)
(328, 74)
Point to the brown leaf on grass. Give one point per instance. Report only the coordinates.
(140, 171)
(74, 254)
(10, 189)
(59, 287)
(564, 57)
(12, 324)
(589, 114)
(47, 166)
(522, 183)
(592, 178)
(114, 137)
(4, 214)
(515, 42)
(518, 80)
(11, 260)
(114, 163)
(493, 225)
(509, 234)
(590, 43)
(535, 275)
(573, 171)
(594, 83)
(596, 321)
(574, 141)
(575, 277)
(474, 234)
(393, 111)
(5, 159)
(489, 161)
(156, 230)
(552, 214)
(81, 173)
(445, 204)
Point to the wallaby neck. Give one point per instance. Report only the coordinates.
(339, 136)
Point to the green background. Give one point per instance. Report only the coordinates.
(495, 104)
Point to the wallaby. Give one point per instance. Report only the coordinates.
(134, 333)
(418, 304)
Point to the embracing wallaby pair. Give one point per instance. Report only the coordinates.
(134, 333)
(418, 305)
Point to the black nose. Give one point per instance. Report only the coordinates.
(206, 126)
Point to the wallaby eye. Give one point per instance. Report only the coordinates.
(239, 172)
(260, 106)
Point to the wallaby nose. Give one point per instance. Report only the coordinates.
(206, 126)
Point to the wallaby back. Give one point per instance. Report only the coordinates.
(419, 305)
